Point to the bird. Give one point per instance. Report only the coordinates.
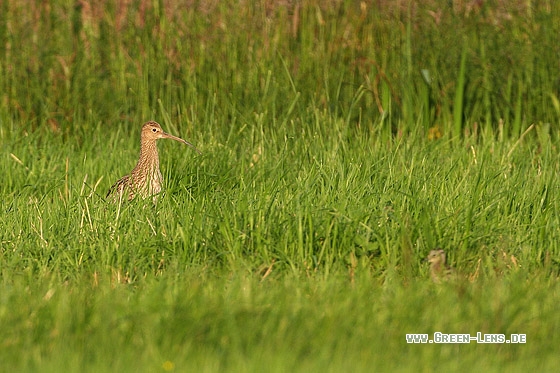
(145, 179)
(439, 270)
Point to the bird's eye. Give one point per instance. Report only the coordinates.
(154, 129)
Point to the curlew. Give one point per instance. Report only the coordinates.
(145, 179)
(439, 270)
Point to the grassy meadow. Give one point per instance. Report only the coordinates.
(341, 142)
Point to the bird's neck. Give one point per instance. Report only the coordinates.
(437, 267)
(149, 158)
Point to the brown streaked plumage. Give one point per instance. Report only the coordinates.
(145, 179)
(439, 270)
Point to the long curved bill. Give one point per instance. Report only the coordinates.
(165, 135)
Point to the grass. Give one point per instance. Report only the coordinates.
(340, 145)
(197, 321)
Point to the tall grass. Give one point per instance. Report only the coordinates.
(66, 64)
(341, 142)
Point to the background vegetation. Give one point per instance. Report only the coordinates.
(342, 141)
